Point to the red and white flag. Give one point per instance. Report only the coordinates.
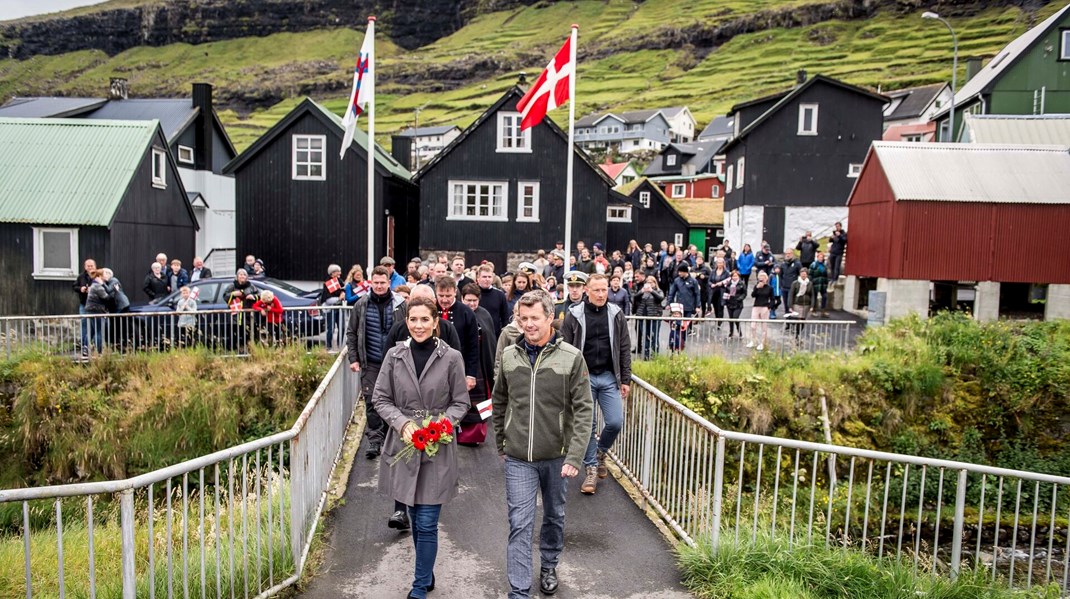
(362, 84)
(551, 89)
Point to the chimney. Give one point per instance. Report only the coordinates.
(401, 148)
(522, 79)
(202, 140)
(973, 66)
(118, 89)
(800, 77)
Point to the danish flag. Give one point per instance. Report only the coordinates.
(551, 89)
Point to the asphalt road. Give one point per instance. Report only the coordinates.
(611, 549)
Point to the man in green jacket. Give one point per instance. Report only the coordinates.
(542, 414)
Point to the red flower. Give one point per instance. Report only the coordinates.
(447, 426)
(419, 439)
(433, 427)
(433, 435)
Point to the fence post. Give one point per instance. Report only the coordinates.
(956, 538)
(718, 492)
(126, 518)
(649, 426)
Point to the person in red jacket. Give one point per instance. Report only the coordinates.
(269, 309)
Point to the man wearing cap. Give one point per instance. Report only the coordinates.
(556, 267)
(575, 281)
(395, 278)
(685, 290)
(528, 268)
(599, 330)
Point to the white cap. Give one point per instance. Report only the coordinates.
(676, 307)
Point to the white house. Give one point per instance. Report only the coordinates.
(427, 142)
(682, 124)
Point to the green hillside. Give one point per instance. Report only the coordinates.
(632, 55)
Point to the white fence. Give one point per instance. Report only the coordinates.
(736, 338)
(255, 511)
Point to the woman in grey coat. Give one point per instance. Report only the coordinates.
(420, 378)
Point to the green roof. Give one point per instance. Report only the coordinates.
(360, 138)
(68, 171)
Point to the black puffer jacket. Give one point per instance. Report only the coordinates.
(647, 303)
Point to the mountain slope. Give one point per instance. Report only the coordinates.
(707, 54)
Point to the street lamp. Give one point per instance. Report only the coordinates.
(954, 69)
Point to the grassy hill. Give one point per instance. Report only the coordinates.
(707, 54)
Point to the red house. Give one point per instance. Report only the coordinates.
(946, 225)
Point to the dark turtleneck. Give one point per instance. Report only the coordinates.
(421, 352)
(596, 347)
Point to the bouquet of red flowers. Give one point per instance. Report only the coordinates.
(426, 439)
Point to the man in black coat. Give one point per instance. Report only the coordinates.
(837, 246)
(487, 345)
(789, 273)
(464, 320)
(807, 247)
(492, 299)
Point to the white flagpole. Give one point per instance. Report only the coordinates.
(571, 142)
(372, 68)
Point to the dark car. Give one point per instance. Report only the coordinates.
(157, 323)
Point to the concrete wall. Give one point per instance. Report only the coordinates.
(819, 219)
(1058, 302)
(986, 302)
(905, 297)
(745, 225)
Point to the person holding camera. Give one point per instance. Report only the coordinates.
(647, 302)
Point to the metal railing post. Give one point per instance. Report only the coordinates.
(956, 535)
(718, 493)
(126, 517)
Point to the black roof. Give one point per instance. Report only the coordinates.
(913, 100)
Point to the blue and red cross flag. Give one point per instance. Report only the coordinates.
(362, 89)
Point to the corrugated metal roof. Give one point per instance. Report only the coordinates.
(993, 173)
(68, 171)
(48, 107)
(174, 114)
(1044, 129)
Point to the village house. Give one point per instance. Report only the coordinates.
(1037, 129)
(681, 221)
(623, 132)
(622, 173)
(688, 170)
(75, 189)
(908, 114)
(424, 143)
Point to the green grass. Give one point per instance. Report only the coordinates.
(890, 50)
(768, 569)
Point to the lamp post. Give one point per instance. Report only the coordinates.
(954, 70)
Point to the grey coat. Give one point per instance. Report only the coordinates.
(440, 389)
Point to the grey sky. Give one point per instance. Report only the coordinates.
(14, 9)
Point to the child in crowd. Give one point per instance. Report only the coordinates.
(271, 315)
(677, 328)
(187, 320)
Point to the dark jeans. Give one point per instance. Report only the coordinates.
(425, 539)
(734, 312)
(375, 429)
(835, 262)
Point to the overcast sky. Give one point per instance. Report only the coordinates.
(13, 9)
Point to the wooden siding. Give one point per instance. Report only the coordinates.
(698, 188)
(21, 294)
(475, 159)
(300, 227)
(659, 222)
(786, 169)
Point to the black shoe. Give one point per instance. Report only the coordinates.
(400, 521)
(548, 581)
(373, 451)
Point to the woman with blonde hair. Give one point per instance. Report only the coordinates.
(356, 286)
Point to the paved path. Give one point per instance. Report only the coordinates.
(611, 549)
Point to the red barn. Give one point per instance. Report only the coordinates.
(949, 224)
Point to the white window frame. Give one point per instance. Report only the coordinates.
(524, 137)
(644, 198)
(39, 270)
(309, 163)
(914, 138)
(670, 160)
(159, 160)
(185, 154)
(854, 170)
(715, 190)
(739, 171)
(682, 187)
(520, 218)
(624, 214)
(451, 206)
(1064, 44)
(678, 239)
(728, 179)
(802, 119)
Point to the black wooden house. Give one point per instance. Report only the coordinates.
(794, 158)
(498, 193)
(300, 207)
(73, 189)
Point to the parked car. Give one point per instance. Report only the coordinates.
(157, 323)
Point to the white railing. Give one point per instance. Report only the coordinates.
(736, 338)
(256, 507)
(706, 482)
(226, 331)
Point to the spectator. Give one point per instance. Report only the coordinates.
(395, 278)
(802, 298)
(356, 286)
(807, 248)
(474, 428)
(81, 287)
(492, 299)
(200, 271)
(557, 266)
(677, 328)
(734, 293)
(506, 283)
(585, 264)
(118, 303)
(684, 291)
(187, 319)
(820, 279)
(647, 302)
(464, 320)
(763, 298)
(403, 291)
(601, 264)
(155, 285)
(161, 258)
(177, 277)
(540, 262)
(259, 272)
(633, 255)
(764, 261)
(745, 264)
(250, 262)
(778, 292)
(619, 296)
(332, 294)
(241, 294)
(837, 247)
(270, 314)
(789, 272)
(412, 268)
(718, 280)
(457, 267)
(580, 247)
(521, 285)
(96, 303)
(726, 247)
(702, 274)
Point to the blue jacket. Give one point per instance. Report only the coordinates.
(686, 292)
(395, 280)
(745, 263)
